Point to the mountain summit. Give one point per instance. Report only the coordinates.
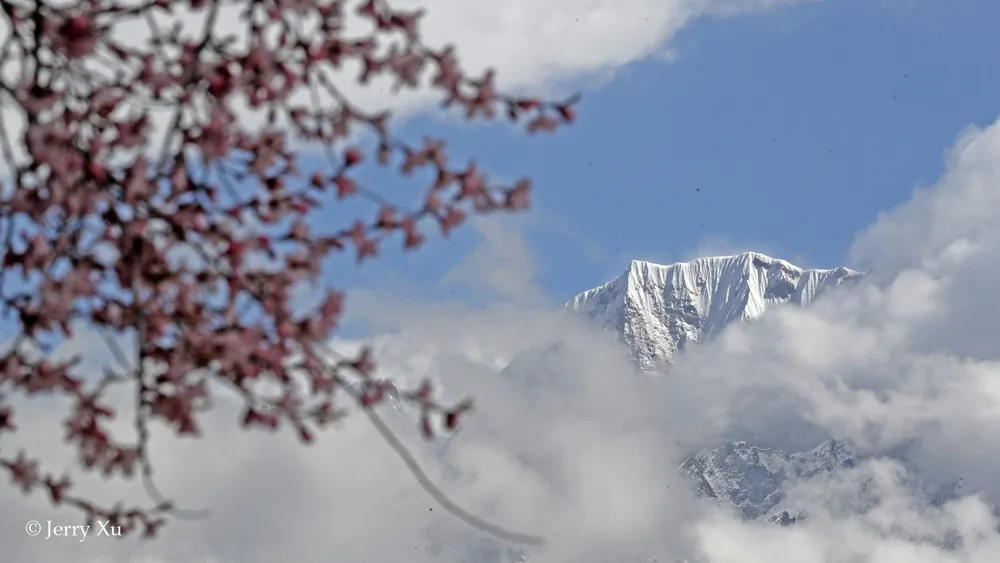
(658, 310)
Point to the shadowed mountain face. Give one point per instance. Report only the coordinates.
(752, 478)
(657, 310)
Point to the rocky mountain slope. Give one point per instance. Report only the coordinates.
(657, 310)
(754, 480)
(751, 478)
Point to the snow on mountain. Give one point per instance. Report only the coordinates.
(658, 310)
(751, 478)
(754, 479)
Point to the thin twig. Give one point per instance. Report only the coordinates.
(428, 485)
(438, 495)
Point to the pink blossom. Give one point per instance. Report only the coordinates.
(194, 238)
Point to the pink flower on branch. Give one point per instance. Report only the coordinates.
(193, 239)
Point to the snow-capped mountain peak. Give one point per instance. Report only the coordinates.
(658, 309)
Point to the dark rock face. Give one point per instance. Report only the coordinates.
(752, 479)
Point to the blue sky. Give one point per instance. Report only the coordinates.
(785, 131)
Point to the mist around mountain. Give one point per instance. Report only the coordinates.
(658, 311)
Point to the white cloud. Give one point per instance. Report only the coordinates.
(542, 45)
(941, 227)
(537, 46)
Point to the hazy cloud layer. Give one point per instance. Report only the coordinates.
(501, 264)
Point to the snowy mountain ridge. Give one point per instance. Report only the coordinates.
(659, 309)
